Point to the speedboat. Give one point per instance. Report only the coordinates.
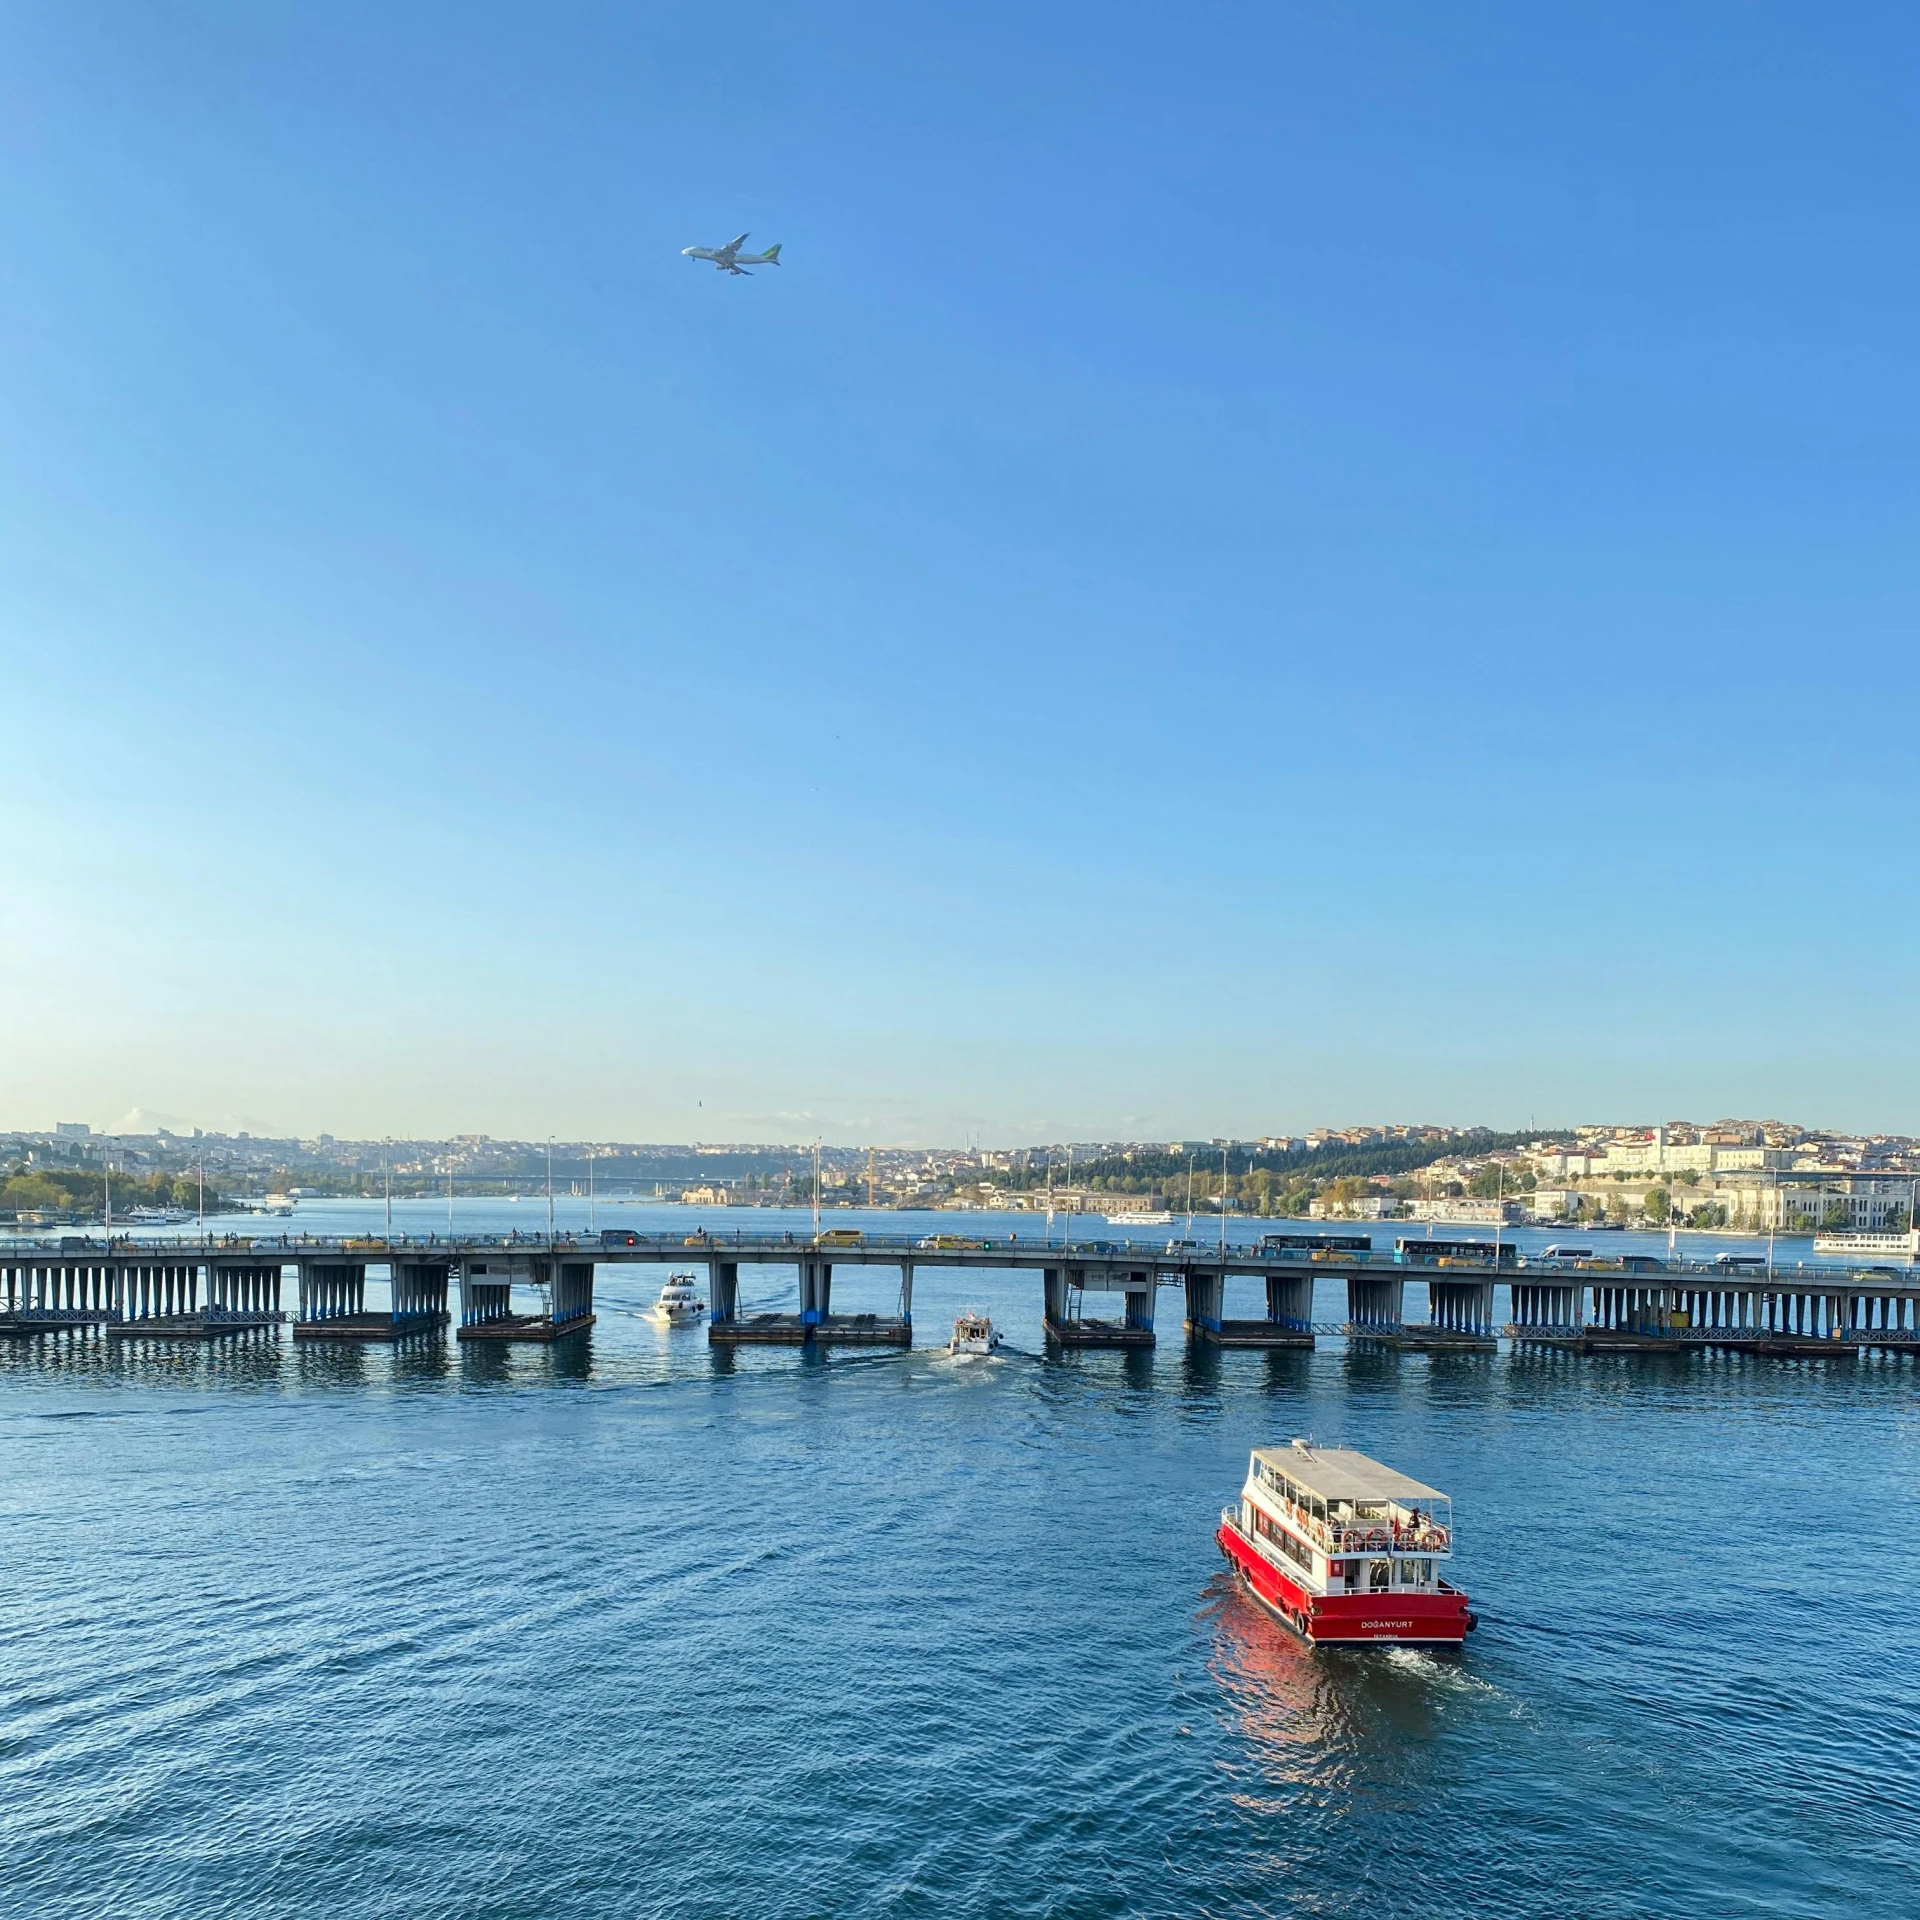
(1345, 1550)
(973, 1333)
(679, 1303)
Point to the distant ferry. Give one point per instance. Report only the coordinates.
(1345, 1550)
(1868, 1246)
(1161, 1219)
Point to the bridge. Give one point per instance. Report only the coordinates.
(517, 1287)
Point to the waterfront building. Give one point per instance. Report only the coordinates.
(1465, 1212)
(1368, 1206)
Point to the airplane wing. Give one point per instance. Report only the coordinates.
(733, 246)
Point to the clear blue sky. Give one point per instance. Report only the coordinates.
(1255, 565)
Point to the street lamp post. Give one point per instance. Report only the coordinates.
(1224, 1151)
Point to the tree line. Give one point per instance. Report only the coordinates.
(73, 1190)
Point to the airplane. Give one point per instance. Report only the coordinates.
(727, 259)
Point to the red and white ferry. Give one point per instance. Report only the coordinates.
(1344, 1549)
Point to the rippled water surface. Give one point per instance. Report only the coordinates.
(638, 1628)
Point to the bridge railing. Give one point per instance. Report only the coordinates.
(1170, 1257)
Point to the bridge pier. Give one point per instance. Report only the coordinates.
(39, 1296)
(723, 1294)
(815, 1323)
(816, 1292)
(1630, 1315)
(1546, 1314)
(332, 1292)
(486, 1298)
(1375, 1307)
(162, 1300)
(1065, 1319)
(1799, 1318)
(1881, 1320)
(1288, 1321)
(1206, 1302)
(1459, 1318)
(333, 1301)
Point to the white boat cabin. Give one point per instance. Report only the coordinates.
(1339, 1522)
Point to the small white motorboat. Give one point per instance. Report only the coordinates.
(679, 1302)
(973, 1333)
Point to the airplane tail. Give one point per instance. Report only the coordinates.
(773, 254)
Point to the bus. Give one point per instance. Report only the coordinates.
(1291, 1245)
(1455, 1253)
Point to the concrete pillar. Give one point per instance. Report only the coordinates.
(1140, 1301)
(816, 1291)
(906, 1291)
(1206, 1300)
(1290, 1301)
(1376, 1303)
(572, 1290)
(329, 1288)
(723, 1291)
(1053, 1283)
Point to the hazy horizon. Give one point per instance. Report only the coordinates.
(140, 1123)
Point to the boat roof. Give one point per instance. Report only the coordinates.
(1338, 1473)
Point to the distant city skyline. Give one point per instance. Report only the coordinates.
(1241, 573)
(139, 1124)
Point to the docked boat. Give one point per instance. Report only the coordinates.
(1344, 1549)
(973, 1332)
(679, 1302)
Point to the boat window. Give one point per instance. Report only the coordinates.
(1411, 1573)
(1270, 1529)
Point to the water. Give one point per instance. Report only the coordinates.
(629, 1627)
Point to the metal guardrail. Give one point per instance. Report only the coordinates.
(1160, 1253)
